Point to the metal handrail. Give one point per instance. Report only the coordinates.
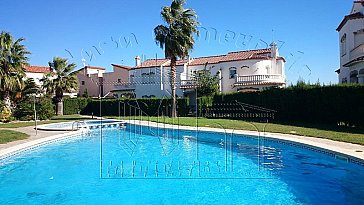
(78, 123)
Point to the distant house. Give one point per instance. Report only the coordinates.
(351, 40)
(251, 70)
(95, 81)
(36, 72)
(39, 72)
(242, 71)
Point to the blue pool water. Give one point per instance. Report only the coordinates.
(160, 166)
(97, 122)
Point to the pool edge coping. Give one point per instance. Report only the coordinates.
(13, 150)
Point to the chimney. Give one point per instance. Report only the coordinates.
(137, 61)
(274, 52)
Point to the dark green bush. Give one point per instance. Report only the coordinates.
(25, 109)
(309, 103)
(124, 107)
(45, 108)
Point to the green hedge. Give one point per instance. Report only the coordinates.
(314, 104)
(74, 105)
(124, 107)
(203, 103)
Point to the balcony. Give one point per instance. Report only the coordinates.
(357, 52)
(356, 56)
(267, 79)
(124, 87)
(188, 84)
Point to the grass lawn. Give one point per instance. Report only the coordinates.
(343, 134)
(55, 119)
(9, 136)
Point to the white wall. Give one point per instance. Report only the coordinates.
(349, 28)
(243, 68)
(36, 77)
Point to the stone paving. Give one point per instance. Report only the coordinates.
(32, 135)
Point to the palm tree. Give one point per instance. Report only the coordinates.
(61, 79)
(176, 38)
(13, 55)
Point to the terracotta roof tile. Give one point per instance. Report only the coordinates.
(246, 55)
(178, 63)
(122, 66)
(36, 69)
(204, 60)
(234, 56)
(152, 63)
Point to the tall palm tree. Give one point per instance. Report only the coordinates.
(61, 79)
(13, 55)
(176, 38)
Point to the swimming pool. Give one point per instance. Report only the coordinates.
(163, 166)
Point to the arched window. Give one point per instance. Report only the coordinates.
(361, 71)
(232, 72)
(354, 76)
(343, 45)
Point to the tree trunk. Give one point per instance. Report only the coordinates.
(59, 107)
(6, 101)
(173, 87)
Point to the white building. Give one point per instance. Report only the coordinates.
(36, 73)
(39, 72)
(351, 40)
(251, 70)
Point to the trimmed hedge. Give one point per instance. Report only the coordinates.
(313, 104)
(124, 107)
(74, 105)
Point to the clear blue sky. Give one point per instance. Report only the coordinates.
(115, 31)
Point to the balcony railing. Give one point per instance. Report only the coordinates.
(357, 52)
(188, 84)
(124, 87)
(246, 80)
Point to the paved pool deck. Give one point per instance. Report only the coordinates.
(32, 135)
(350, 149)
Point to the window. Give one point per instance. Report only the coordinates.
(232, 72)
(83, 82)
(343, 45)
(119, 80)
(358, 38)
(354, 76)
(344, 80)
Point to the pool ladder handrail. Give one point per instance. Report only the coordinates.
(77, 123)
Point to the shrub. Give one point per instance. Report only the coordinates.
(5, 114)
(45, 109)
(25, 109)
